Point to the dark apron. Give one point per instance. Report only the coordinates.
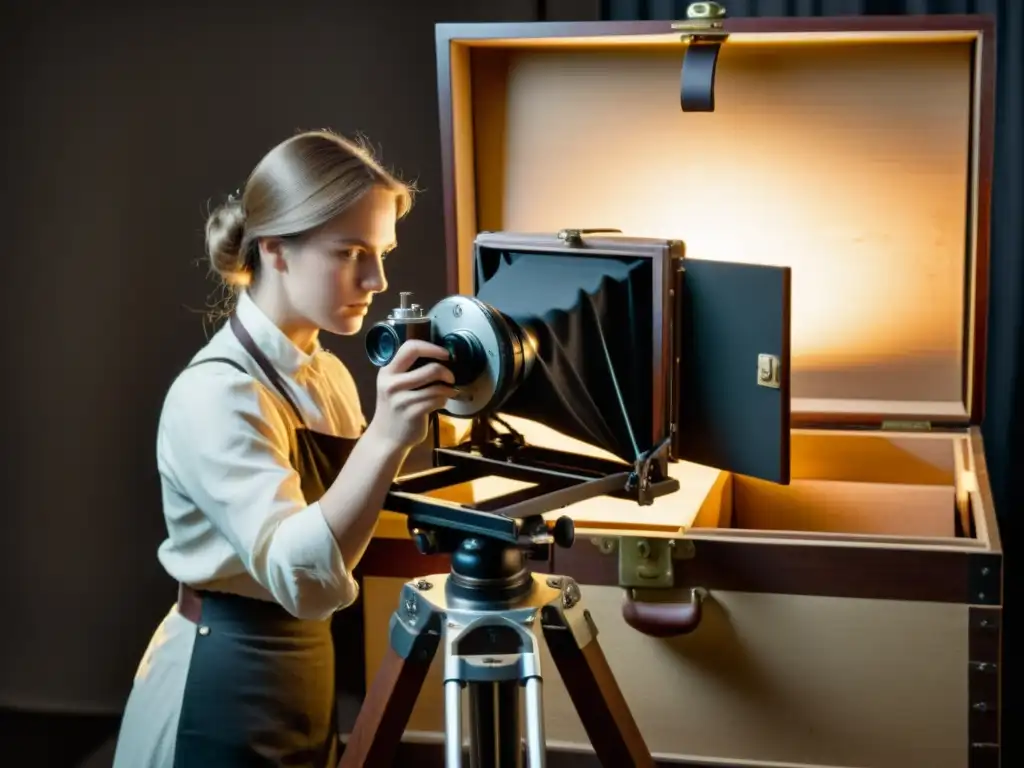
(261, 684)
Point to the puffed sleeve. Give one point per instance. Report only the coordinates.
(224, 444)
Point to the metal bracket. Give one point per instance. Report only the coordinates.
(646, 563)
(985, 579)
(644, 473)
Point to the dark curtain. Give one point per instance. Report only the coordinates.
(1003, 427)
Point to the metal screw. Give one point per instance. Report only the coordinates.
(423, 585)
(605, 546)
(571, 595)
(204, 631)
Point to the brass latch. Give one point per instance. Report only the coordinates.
(649, 563)
(646, 563)
(702, 18)
(768, 371)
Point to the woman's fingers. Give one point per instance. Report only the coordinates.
(420, 377)
(412, 350)
(428, 398)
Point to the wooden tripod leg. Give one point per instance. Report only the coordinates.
(389, 702)
(596, 696)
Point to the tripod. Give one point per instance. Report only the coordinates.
(486, 611)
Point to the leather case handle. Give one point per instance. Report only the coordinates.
(664, 619)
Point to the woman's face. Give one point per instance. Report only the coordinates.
(332, 274)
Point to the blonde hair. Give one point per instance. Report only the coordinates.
(299, 185)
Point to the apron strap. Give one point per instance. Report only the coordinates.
(261, 360)
(234, 364)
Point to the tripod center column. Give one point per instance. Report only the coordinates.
(488, 571)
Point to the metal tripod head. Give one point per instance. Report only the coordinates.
(487, 568)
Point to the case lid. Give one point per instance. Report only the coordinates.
(855, 150)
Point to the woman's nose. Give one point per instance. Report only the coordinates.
(373, 279)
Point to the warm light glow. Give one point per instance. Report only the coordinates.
(671, 514)
(478, 490)
(847, 163)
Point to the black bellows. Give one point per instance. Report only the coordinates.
(591, 319)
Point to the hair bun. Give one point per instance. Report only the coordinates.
(225, 231)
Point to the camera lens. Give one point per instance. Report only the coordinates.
(468, 359)
(382, 342)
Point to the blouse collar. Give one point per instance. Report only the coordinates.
(282, 352)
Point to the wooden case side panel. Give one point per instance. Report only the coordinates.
(455, 113)
(980, 213)
(759, 680)
(979, 487)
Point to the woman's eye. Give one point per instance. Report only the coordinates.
(355, 254)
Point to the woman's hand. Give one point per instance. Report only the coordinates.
(405, 398)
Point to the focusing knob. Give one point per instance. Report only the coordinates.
(564, 532)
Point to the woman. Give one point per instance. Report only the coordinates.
(271, 485)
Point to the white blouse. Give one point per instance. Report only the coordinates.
(236, 518)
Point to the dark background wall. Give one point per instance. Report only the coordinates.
(120, 125)
(121, 122)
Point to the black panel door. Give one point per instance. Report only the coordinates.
(734, 368)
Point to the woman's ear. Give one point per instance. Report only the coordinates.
(272, 253)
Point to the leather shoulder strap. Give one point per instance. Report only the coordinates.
(261, 360)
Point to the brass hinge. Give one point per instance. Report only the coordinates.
(906, 426)
(575, 236)
(646, 563)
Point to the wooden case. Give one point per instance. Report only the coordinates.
(849, 617)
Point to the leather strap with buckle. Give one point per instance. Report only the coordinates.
(190, 603)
